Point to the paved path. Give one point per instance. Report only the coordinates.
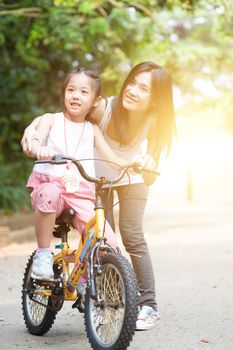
(192, 251)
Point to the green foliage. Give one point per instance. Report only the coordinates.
(14, 195)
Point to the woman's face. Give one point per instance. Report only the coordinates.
(137, 94)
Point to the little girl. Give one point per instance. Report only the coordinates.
(55, 187)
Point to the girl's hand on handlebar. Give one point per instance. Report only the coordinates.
(44, 153)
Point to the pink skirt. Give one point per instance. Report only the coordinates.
(49, 196)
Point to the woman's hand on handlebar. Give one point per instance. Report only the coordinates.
(148, 168)
(146, 162)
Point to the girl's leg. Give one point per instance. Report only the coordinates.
(47, 202)
(44, 224)
(84, 211)
(132, 205)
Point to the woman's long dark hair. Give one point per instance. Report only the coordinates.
(161, 109)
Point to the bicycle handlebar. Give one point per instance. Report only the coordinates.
(60, 159)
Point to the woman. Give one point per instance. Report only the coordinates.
(142, 111)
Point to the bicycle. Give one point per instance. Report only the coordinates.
(110, 306)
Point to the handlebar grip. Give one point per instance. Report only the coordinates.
(145, 170)
(57, 159)
(139, 168)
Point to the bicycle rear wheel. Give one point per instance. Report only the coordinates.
(110, 322)
(39, 311)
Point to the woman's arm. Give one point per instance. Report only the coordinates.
(151, 160)
(97, 113)
(31, 133)
(39, 148)
(104, 149)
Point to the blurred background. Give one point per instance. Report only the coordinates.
(42, 40)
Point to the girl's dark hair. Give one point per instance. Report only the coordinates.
(161, 109)
(96, 82)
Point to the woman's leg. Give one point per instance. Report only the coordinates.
(132, 206)
(84, 208)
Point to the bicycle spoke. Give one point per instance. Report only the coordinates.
(108, 320)
(37, 311)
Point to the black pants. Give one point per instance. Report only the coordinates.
(132, 204)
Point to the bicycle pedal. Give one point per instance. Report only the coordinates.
(46, 283)
(78, 305)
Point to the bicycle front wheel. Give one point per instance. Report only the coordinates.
(110, 321)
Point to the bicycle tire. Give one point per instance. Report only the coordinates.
(38, 319)
(116, 288)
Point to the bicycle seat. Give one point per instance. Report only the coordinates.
(64, 221)
(66, 217)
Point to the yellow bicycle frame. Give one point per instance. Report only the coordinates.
(93, 231)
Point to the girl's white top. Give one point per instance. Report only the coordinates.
(56, 140)
(126, 152)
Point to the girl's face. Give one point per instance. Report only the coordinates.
(79, 97)
(137, 94)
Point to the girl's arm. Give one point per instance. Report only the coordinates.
(39, 148)
(105, 150)
(30, 133)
